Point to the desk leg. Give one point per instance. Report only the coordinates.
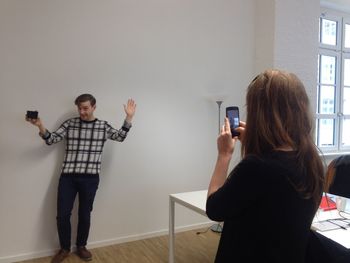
(171, 230)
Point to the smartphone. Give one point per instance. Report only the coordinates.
(232, 113)
(32, 114)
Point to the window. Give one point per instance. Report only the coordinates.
(333, 84)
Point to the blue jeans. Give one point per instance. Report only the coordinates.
(68, 187)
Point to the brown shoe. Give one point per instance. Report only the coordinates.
(60, 256)
(84, 254)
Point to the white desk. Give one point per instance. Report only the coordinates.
(196, 201)
(340, 236)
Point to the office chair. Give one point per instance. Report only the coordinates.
(338, 177)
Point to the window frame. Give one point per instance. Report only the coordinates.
(341, 53)
(346, 21)
(338, 36)
(342, 115)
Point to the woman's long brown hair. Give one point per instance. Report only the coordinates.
(330, 174)
(278, 115)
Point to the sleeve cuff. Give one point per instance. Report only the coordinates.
(127, 124)
(46, 135)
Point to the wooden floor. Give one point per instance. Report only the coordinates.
(190, 247)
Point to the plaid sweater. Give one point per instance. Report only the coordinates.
(84, 143)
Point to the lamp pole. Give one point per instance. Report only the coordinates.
(217, 227)
(219, 102)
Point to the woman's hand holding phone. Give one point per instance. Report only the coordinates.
(225, 141)
(226, 145)
(241, 130)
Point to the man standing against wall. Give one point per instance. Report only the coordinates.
(85, 137)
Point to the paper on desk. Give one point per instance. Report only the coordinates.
(343, 222)
(324, 226)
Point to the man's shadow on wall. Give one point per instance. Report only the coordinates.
(47, 226)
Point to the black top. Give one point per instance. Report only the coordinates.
(265, 218)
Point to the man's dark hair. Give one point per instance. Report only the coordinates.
(85, 97)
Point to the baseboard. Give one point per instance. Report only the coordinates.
(131, 238)
(27, 256)
(103, 243)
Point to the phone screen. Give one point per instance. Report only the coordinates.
(232, 113)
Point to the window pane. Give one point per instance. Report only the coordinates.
(328, 32)
(326, 132)
(346, 72)
(347, 36)
(327, 98)
(346, 133)
(346, 101)
(328, 69)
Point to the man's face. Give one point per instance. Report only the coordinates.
(86, 111)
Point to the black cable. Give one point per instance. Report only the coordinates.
(217, 230)
(203, 232)
(345, 217)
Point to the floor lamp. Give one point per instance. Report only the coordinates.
(219, 102)
(217, 227)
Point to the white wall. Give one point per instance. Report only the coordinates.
(287, 39)
(264, 35)
(296, 40)
(171, 56)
